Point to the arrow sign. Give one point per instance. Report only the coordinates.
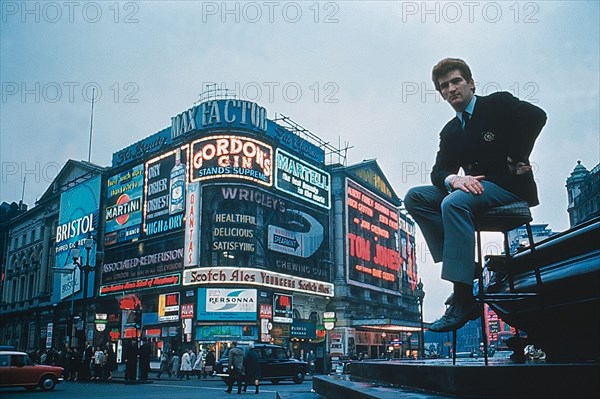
(298, 243)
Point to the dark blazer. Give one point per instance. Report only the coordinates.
(501, 126)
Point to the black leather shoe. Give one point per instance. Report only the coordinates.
(448, 300)
(456, 316)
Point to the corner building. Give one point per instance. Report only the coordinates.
(217, 228)
(374, 267)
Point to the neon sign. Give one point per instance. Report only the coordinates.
(236, 157)
(372, 239)
(301, 179)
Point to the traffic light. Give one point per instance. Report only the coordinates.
(247, 331)
(137, 319)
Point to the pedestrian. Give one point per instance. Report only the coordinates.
(311, 358)
(164, 364)
(62, 356)
(86, 362)
(75, 364)
(198, 367)
(67, 363)
(131, 355)
(175, 363)
(186, 365)
(192, 360)
(111, 360)
(209, 362)
(251, 368)
(145, 353)
(490, 138)
(98, 362)
(236, 368)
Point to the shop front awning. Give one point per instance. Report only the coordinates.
(387, 324)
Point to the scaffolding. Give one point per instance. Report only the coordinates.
(331, 151)
(333, 154)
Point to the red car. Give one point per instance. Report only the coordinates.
(17, 370)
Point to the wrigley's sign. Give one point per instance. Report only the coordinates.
(264, 278)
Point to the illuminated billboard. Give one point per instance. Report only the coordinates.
(230, 156)
(78, 219)
(246, 226)
(302, 180)
(124, 196)
(373, 241)
(282, 308)
(165, 192)
(141, 262)
(408, 256)
(168, 307)
(259, 277)
(225, 304)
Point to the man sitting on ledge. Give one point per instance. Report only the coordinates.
(491, 139)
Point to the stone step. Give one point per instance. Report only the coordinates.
(348, 387)
(298, 395)
(422, 379)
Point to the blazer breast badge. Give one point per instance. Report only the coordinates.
(488, 136)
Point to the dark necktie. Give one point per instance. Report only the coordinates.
(466, 121)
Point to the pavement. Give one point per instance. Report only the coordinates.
(118, 376)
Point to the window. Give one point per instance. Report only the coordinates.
(278, 353)
(18, 360)
(3, 360)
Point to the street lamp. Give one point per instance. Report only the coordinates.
(383, 335)
(420, 294)
(408, 335)
(69, 270)
(87, 268)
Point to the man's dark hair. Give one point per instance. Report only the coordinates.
(448, 65)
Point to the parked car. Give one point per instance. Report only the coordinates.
(17, 370)
(275, 364)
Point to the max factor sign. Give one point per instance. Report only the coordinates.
(220, 113)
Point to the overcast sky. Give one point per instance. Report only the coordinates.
(354, 73)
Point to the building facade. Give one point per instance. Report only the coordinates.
(224, 226)
(374, 267)
(31, 318)
(583, 190)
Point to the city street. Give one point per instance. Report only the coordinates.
(157, 389)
